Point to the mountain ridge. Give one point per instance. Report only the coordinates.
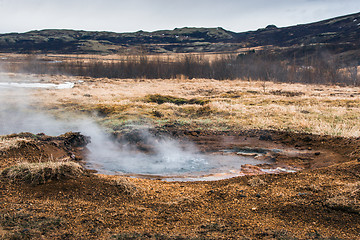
(339, 31)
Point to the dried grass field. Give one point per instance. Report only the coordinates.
(222, 105)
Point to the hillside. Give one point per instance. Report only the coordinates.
(338, 34)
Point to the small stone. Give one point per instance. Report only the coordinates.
(265, 137)
(302, 194)
(317, 153)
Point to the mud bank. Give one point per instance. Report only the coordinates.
(40, 147)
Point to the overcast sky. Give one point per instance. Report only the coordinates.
(150, 15)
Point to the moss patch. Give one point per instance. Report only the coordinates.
(160, 99)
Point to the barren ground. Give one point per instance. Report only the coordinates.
(319, 202)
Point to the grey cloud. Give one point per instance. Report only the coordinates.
(122, 16)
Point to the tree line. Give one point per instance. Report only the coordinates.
(263, 66)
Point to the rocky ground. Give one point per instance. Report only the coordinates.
(319, 202)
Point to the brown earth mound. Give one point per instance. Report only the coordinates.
(41, 148)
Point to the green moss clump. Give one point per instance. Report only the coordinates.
(160, 99)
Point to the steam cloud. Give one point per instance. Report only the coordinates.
(162, 156)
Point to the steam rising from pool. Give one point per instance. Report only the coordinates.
(151, 156)
(161, 157)
(36, 85)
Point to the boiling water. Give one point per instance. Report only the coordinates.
(182, 166)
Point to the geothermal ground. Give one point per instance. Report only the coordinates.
(57, 184)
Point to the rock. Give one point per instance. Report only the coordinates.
(250, 169)
(265, 137)
(307, 139)
(271, 27)
(303, 194)
(75, 139)
(247, 154)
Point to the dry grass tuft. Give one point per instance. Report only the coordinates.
(8, 143)
(256, 181)
(124, 185)
(314, 188)
(42, 172)
(286, 93)
(343, 203)
(347, 200)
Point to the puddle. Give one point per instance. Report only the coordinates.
(65, 85)
(189, 167)
(178, 164)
